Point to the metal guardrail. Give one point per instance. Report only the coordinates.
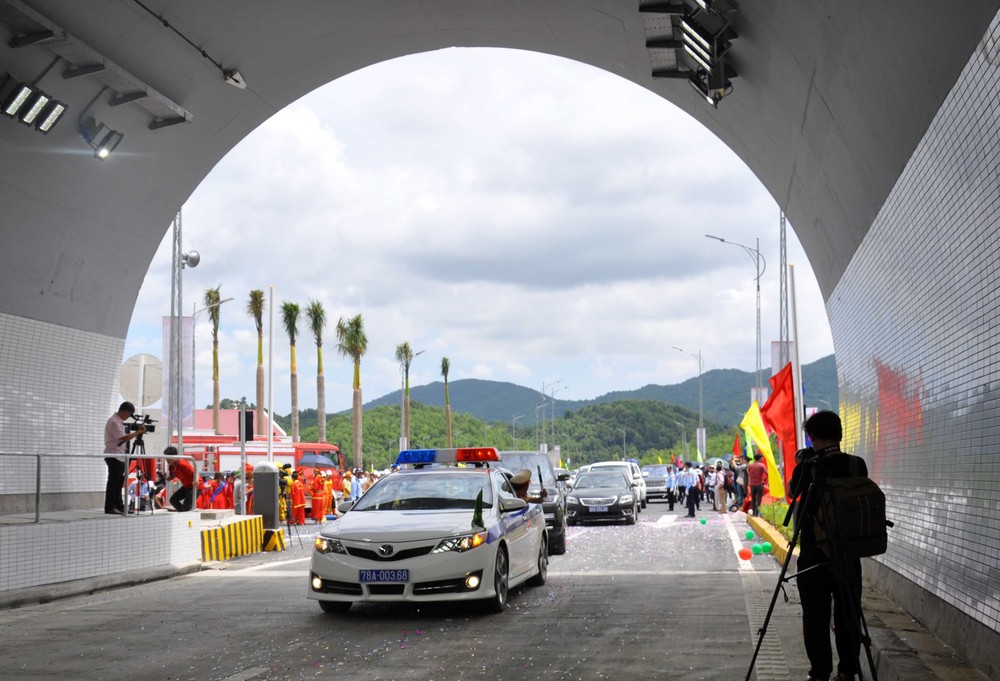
(126, 457)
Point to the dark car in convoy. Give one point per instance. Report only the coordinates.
(602, 495)
(554, 505)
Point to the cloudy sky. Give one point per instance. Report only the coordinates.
(531, 218)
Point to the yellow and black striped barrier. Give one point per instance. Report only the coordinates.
(274, 540)
(239, 538)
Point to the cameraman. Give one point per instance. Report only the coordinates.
(115, 438)
(817, 581)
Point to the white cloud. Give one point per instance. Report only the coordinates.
(529, 217)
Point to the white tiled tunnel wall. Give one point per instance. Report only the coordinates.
(58, 386)
(33, 555)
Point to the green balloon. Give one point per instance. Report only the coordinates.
(703, 521)
(766, 547)
(749, 534)
(756, 549)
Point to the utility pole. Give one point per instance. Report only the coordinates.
(513, 428)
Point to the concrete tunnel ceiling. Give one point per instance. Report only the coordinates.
(829, 103)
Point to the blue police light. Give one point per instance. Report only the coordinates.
(417, 456)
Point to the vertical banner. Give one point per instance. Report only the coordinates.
(187, 372)
(184, 376)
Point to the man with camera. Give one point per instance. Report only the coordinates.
(821, 577)
(115, 439)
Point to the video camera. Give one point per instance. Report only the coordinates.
(138, 420)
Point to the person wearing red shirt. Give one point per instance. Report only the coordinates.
(183, 471)
(756, 478)
(219, 494)
(298, 497)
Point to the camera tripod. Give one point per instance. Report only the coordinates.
(286, 500)
(840, 565)
(139, 445)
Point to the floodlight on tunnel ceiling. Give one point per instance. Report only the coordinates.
(13, 95)
(49, 116)
(102, 139)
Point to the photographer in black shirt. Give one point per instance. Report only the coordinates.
(818, 580)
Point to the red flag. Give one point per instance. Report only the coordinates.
(779, 415)
(737, 450)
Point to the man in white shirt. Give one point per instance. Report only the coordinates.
(115, 439)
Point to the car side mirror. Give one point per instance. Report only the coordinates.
(516, 504)
(645, 474)
(563, 476)
(345, 507)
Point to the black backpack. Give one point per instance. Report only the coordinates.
(851, 516)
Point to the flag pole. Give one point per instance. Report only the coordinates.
(797, 368)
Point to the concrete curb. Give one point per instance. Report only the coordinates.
(51, 592)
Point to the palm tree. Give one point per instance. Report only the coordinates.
(404, 355)
(445, 367)
(290, 320)
(317, 320)
(255, 308)
(352, 342)
(213, 301)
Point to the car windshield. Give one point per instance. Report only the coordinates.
(657, 470)
(434, 490)
(609, 480)
(515, 461)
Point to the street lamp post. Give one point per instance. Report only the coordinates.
(404, 399)
(760, 264)
(179, 260)
(684, 438)
(513, 428)
(624, 452)
(486, 429)
(553, 396)
(701, 404)
(542, 445)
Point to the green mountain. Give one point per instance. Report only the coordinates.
(726, 395)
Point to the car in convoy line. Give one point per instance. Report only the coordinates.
(656, 480)
(432, 531)
(554, 504)
(631, 469)
(603, 494)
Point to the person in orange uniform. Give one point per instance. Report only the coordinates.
(318, 489)
(205, 491)
(328, 492)
(298, 497)
(219, 495)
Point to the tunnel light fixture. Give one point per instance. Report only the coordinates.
(102, 139)
(13, 95)
(50, 116)
(33, 107)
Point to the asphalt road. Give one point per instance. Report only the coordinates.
(665, 599)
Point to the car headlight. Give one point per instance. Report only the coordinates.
(460, 544)
(328, 545)
(572, 499)
(626, 499)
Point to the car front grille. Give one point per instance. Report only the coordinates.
(368, 554)
(598, 501)
(386, 589)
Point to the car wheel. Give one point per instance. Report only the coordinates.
(644, 502)
(570, 523)
(501, 583)
(335, 607)
(543, 565)
(631, 520)
(558, 545)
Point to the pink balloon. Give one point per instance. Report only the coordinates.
(746, 554)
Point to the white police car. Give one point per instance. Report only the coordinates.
(423, 534)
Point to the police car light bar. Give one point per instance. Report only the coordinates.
(454, 455)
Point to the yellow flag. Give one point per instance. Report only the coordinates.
(659, 459)
(753, 425)
(561, 463)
